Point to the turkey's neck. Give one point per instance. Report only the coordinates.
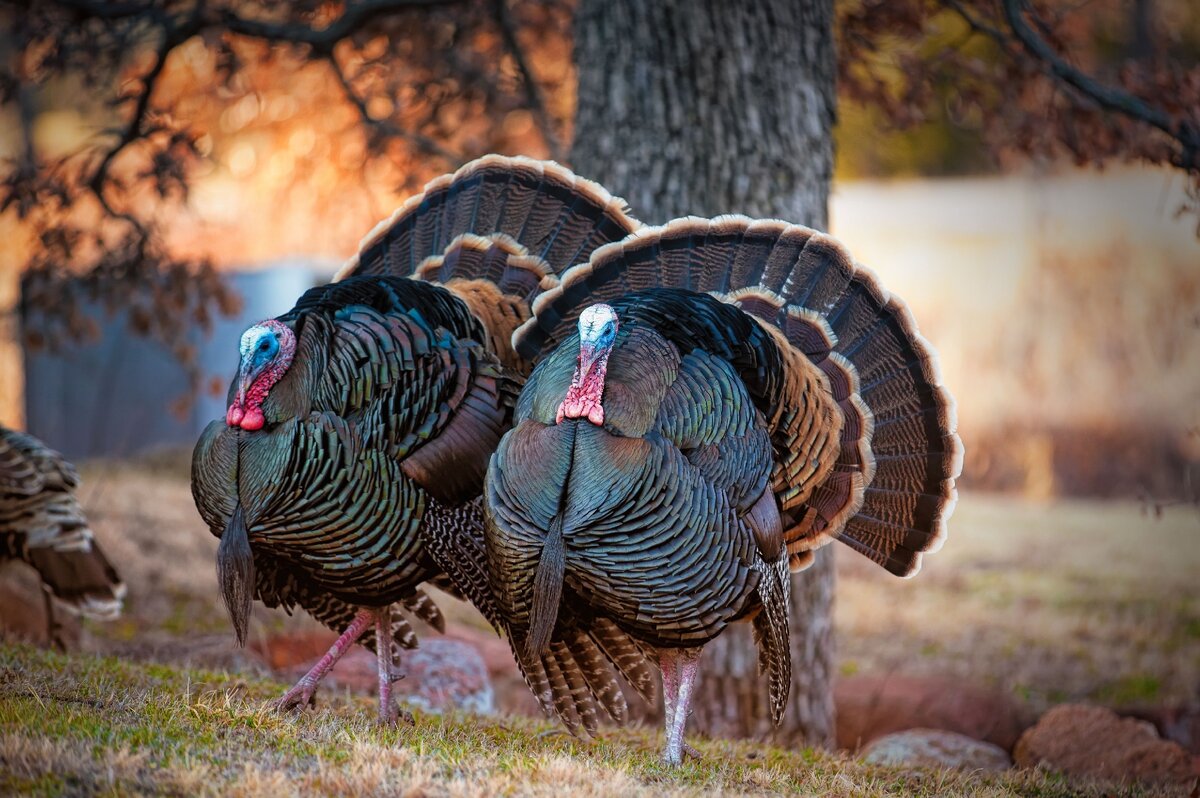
(584, 397)
(257, 394)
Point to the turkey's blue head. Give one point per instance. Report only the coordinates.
(597, 332)
(266, 351)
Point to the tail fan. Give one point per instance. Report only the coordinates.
(498, 233)
(887, 488)
(79, 575)
(42, 523)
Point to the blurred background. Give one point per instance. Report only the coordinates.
(1059, 284)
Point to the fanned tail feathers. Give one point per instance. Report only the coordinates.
(42, 523)
(81, 577)
(888, 487)
(498, 232)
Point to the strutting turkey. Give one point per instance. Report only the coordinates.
(741, 394)
(349, 466)
(42, 524)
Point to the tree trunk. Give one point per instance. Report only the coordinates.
(705, 108)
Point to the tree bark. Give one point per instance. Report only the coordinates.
(705, 108)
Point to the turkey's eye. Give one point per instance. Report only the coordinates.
(264, 346)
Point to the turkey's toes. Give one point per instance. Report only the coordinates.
(394, 716)
(296, 699)
(673, 757)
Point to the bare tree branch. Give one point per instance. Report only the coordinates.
(1082, 85)
(977, 24)
(423, 142)
(533, 91)
(131, 133)
(114, 10)
(356, 16)
(1107, 97)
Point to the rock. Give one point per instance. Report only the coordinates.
(287, 653)
(446, 674)
(1177, 723)
(935, 748)
(1094, 742)
(869, 707)
(494, 649)
(441, 674)
(512, 694)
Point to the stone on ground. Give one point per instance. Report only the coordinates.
(441, 674)
(935, 748)
(1094, 742)
(869, 707)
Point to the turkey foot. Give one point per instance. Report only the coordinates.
(301, 695)
(679, 669)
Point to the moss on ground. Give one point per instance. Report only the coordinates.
(80, 724)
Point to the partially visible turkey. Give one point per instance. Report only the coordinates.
(41, 523)
(348, 467)
(743, 394)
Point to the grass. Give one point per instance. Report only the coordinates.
(85, 724)
(1049, 602)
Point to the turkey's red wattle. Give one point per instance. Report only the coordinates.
(584, 397)
(247, 412)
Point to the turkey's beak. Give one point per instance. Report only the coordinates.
(587, 358)
(236, 412)
(247, 374)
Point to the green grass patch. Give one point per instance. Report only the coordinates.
(1134, 689)
(96, 725)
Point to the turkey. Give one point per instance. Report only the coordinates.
(348, 468)
(42, 524)
(739, 394)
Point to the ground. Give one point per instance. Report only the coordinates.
(1048, 602)
(85, 725)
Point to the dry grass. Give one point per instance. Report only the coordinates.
(1053, 602)
(95, 725)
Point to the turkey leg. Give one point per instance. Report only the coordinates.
(679, 667)
(301, 695)
(388, 715)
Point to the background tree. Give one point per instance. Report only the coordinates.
(682, 108)
(708, 108)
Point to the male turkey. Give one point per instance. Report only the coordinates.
(744, 394)
(348, 467)
(41, 523)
